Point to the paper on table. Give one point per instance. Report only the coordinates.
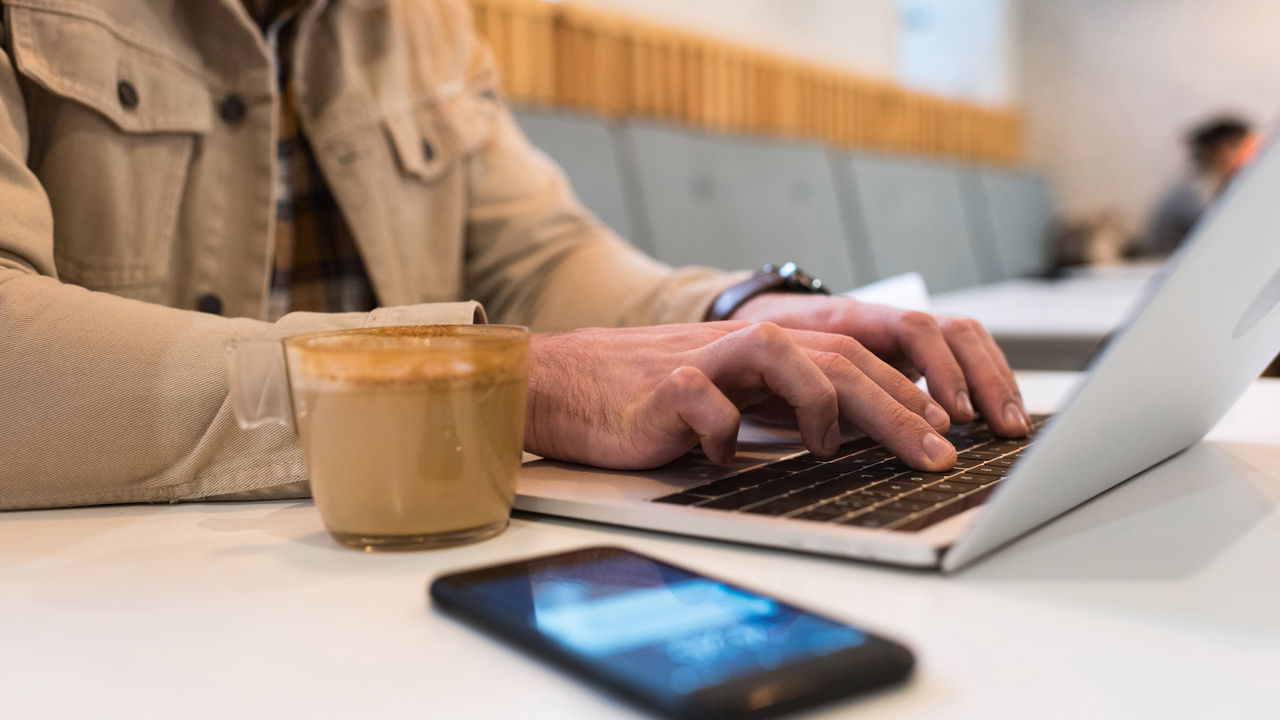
(906, 291)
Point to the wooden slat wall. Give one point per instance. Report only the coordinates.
(566, 55)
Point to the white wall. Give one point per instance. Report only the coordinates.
(857, 35)
(1110, 87)
(958, 48)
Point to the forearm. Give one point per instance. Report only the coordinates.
(629, 288)
(536, 257)
(596, 280)
(109, 400)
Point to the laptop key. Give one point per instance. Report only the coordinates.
(873, 519)
(680, 499)
(938, 513)
(822, 473)
(974, 431)
(781, 506)
(856, 501)
(920, 478)
(869, 476)
(931, 497)
(990, 470)
(743, 499)
(950, 488)
(724, 486)
(894, 466)
(765, 472)
(793, 502)
(803, 462)
(829, 509)
(970, 479)
(906, 506)
(856, 446)
(791, 483)
(956, 431)
(877, 491)
(847, 483)
(822, 513)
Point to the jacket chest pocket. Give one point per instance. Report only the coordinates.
(432, 139)
(426, 192)
(114, 128)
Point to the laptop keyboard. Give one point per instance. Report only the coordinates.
(864, 485)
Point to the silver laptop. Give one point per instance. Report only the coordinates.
(1184, 358)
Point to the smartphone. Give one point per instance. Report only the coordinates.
(669, 639)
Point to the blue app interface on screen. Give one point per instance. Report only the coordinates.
(662, 627)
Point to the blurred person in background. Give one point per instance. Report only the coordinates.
(1218, 148)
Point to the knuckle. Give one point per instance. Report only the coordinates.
(963, 327)
(919, 322)
(686, 379)
(766, 333)
(833, 364)
(837, 366)
(850, 348)
(904, 422)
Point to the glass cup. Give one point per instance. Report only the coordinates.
(412, 435)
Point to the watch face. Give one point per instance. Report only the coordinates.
(799, 280)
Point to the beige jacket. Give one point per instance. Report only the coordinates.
(130, 196)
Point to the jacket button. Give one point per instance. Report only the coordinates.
(209, 303)
(128, 94)
(428, 152)
(232, 109)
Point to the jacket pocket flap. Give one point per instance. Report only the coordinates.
(85, 61)
(430, 139)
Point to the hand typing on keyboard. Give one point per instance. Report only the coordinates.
(640, 397)
(964, 367)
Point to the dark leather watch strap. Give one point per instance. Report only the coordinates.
(765, 280)
(736, 296)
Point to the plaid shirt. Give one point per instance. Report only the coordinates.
(317, 265)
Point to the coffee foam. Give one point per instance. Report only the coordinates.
(416, 357)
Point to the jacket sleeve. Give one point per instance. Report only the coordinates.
(537, 257)
(110, 400)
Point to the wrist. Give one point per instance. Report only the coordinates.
(769, 279)
(762, 307)
(535, 400)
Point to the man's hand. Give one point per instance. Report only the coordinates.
(959, 359)
(641, 397)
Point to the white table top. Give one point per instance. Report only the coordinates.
(1083, 306)
(1159, 599)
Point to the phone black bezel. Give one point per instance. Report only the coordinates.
(877, 663)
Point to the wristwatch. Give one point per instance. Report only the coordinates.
(784, 278)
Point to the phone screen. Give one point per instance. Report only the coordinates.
(652, 625)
